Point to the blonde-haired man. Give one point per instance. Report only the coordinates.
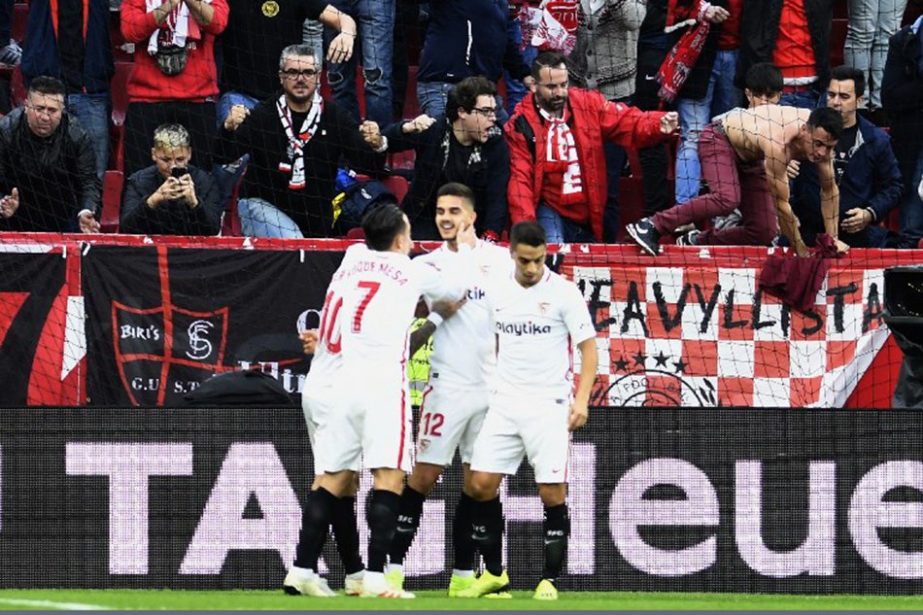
(171, 197)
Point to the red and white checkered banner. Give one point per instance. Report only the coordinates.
(688, 328)
(707, 336)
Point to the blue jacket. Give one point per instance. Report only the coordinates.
(469, 37)
(872, 180)
(40, 52)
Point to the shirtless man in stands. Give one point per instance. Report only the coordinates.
(744, 155)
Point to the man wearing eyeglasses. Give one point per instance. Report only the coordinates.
(47, 166)
(558, 166)
(295, 140)
(463, 147)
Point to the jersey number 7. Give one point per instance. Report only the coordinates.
(331, 312)
(371, 289)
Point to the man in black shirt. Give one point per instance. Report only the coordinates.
(171, 197)
(47, 167)
(256, 34)
(463, 147)
(295, 140)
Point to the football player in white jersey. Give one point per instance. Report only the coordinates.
(371, 421)
(537, 316)
(456, 396)
(320, 397)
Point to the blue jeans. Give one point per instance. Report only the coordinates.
(720, 96)
(516, 89)
(375, 19)
(312, 33)
(726, 95)
(912, 206)
(559, 229)
(806, 99)
(92, 111)
(871, 24)
(693, 116)
(432, 97)
(259, 218)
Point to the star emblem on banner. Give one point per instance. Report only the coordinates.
(663, 360)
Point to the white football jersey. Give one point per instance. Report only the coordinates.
(464, 348)
(327, 356)
(535, 327)
(380, 294)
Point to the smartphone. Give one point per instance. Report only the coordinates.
(178, 172)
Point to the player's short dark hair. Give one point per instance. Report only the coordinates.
(848, 73)
(457, 189)
(764, 79)
(381, 224)
(465, 95)
(828, 119)
(547, 59)
(48, 86)
(529, 233)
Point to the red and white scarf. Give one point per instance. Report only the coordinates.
(561, 157)
(297, 141)
(177, 29)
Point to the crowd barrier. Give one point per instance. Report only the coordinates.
(682, 499)
(130, 320)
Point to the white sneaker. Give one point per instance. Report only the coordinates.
(375, 586)
(354, 583)
(306, 583)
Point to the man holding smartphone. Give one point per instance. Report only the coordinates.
(171, 197)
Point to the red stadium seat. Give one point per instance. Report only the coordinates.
(397, 185)
(112, 201)
(402, 161)
(17, 88)
(20, 17)
(892, 221)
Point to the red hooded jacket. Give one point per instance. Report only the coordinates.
(593, 120)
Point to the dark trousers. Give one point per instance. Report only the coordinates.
(615, 162)
(405, 20)
(142, 118)
(657, 193)
(732, 184)
(6, 21)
